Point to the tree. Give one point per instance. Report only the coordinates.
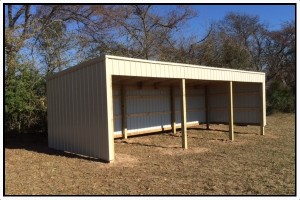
(53, 46)
(141, 29)
(281, 55)
(281, 69)
(18, 20)
(44, 29)
(248, 31)
(56, 41)
(25, 104)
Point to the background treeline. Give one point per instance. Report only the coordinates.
(41, 40)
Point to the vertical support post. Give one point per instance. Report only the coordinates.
(124, 114)
(230, 111)
(206, 107)
(262, 108)
(110, 117)
(173, 119)
(183, 114)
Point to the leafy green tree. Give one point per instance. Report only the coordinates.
(25, 103)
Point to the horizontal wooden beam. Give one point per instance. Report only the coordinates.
(235, 123)
(156, 96)
(189, 125)
(159, 113)
(120, 79)
(135, 80)
(234, 94)
(154, 130)
(234, 108)
(188, 111)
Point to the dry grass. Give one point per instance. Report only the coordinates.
(155, 164)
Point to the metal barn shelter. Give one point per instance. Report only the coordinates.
(108, 97)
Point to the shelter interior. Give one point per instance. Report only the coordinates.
(146, 104)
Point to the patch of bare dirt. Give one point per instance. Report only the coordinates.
(179, 151)
(227, 142)
(125, 160)
(271, 136)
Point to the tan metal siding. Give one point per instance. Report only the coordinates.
(150, 109)
(195, 105)
(140, 105)
(117, 111)
(173, 70)
(109, 110)
(81, 103)
(77, 113)
(246, 103)
(218, 103)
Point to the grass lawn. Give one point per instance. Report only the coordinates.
(156, 165)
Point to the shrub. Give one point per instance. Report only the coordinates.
(25, 102)
(280, 98)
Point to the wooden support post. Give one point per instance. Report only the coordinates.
(173, 119)
(183, 115)
(230, 111)
(206, 107)
(262, 109)
(124, 114)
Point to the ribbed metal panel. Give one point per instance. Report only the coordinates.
(150, 109)
(246, 103)
(77, 112)
(246, 106)
(147, 101)
(117, 111)
(218, 103)
(195, 104)
(136, 67)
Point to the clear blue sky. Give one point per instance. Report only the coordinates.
(271, 15)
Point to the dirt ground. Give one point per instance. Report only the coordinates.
(156, 165)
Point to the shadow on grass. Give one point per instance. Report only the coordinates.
(38, 142)
(149, 145)
(219, 130)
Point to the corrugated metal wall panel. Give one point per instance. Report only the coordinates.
(218, 103)
(78, 112)
(246, 103)
(117, 111)
(150, 101)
